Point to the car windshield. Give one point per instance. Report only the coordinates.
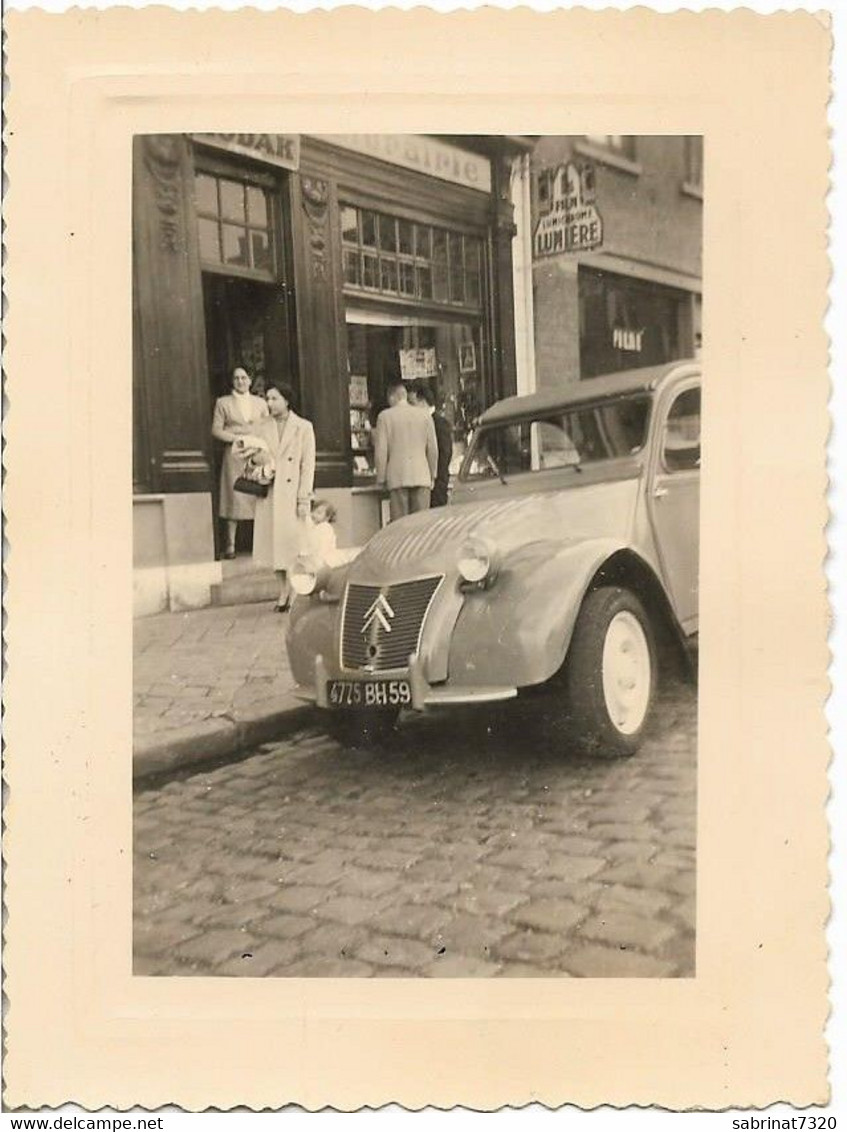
(564, 438)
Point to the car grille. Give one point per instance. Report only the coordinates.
(382, 625)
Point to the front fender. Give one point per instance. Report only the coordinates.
(312, 628)
(518, 631)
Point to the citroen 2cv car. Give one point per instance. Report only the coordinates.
(568, 553)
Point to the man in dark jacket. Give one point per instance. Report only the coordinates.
(420, 394)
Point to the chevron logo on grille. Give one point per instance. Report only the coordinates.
(380, 613)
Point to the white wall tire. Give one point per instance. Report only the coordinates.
(610, 673)
(627, 672)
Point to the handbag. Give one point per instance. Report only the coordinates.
(256, 479)
(251, 487)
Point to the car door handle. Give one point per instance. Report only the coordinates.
(659, 492)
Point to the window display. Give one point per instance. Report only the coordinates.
(382, 347)
(626, 323)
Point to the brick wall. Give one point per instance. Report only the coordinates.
(556, 301)
(649, 220)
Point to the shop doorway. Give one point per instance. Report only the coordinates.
(247, 324)
(383, 347)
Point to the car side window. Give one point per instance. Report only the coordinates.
(500, 452)
(681, 439)
(583, 434)
(551, 446)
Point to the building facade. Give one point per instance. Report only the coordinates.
(617, 253)
(332, 264)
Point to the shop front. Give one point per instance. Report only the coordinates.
(333, 264)
(414, 304)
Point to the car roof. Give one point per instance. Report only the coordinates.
(590, 389)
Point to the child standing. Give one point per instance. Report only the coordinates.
(320, 539)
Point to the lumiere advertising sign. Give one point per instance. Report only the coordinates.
(573, 223)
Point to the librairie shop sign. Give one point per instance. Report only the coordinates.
(573, 223)
(421, 154)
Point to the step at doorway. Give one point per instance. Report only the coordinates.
(244, 582)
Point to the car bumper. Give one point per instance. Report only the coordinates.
(424, 695)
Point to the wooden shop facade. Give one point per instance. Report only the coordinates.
(330, 263)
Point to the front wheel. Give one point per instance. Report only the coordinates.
(361, 728)
(610, 673)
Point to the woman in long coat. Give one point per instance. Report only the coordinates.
(236, 414)
(280, 532)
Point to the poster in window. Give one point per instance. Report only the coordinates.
(467, 357)
(418, 363)
(359, 398)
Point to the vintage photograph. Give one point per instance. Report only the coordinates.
(416, 463)
(377, 721)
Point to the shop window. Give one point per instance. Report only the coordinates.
(405, 237)
(369, 272)
(234, 225)
(440, 278)
(407, 278)
(368, 229)
(423, 282)
(473, 273)
(350, 225)
(388, 234)
(352, 264)
(626, 323)
(414, 261)
(423, 241)
(388, 275)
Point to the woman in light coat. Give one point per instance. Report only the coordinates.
(235, 415)
(280, 531)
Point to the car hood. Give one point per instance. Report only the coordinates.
(429, 540)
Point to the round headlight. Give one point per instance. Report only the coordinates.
(304, 576)
(474, 560)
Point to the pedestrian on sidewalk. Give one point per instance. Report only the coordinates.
(321, 541)
(422, 396)
(406, 452)
(280, 531)
(237, 414)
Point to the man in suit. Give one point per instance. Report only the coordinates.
(421, 395)
(406, 452)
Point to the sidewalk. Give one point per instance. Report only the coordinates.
(207, 683)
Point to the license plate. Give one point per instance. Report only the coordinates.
(369, 693)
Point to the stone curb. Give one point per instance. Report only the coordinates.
(214, 739)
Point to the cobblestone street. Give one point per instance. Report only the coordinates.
(468, 848)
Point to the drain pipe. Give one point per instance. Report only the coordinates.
(520, 191)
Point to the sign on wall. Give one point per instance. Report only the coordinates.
(625, 338)
(421, 154)
(573, 223)
(276, 149)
